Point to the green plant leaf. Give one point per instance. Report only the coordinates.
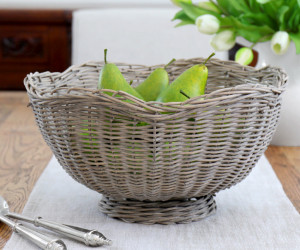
(292, 16)
(292, 4)
(282, 11)
(257, 19)
(233, 7)
(271, 8)
(185, 20)
(296, 23)
(296, 39)
(225, 24)
(290, 23)
(193, 11)
(182, 23)
(226, 21)
(179, 15)
(252, 33)
(254, 6)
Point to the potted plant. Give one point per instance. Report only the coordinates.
(272, 27)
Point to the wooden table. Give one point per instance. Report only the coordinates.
(24, 155)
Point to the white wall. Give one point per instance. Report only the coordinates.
(79, 4)
(139, 35)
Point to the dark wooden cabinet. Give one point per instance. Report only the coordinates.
(33, 40)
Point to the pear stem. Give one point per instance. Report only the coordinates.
(211, 55)
(168, 64)
(182, 92)
(105, 54)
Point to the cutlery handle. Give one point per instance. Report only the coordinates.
(88, 237)
(43, 241)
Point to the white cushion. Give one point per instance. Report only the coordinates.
(136, 35)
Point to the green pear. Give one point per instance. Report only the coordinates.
(111, 78)
(155, 83)
(190, 83)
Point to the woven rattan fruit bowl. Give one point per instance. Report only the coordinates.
(158, 162)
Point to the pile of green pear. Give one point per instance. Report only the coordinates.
(156, 87)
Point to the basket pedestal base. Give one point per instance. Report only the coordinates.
(160, 212)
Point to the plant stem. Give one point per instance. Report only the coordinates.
(226, 26)
(260, 39)
(105, 54)
(181, 92)
(216, 5)
(168, 64)
(211, 55)
(219, 7)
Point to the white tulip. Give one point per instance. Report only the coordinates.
(244, 56)
(224, 40)
(208, 24)
(280, 42)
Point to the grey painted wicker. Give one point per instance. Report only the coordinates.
(156, 152)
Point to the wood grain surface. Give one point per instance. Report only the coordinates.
(24, 155)
(286, 164)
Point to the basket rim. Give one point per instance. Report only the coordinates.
(223, 94)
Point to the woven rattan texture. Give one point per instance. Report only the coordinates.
(158, 151)
(163, 212)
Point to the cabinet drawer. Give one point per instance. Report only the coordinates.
(33, 40)
(24, 44)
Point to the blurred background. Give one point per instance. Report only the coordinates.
(52, 35)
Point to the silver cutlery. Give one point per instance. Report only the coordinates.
(39, 239)
(88, 237)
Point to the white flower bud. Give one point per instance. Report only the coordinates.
(244, 56)
(208, 24)
(280, 42)
(224, 40)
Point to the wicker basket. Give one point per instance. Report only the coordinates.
(158, 162)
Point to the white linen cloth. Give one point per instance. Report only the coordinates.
(254, 214)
